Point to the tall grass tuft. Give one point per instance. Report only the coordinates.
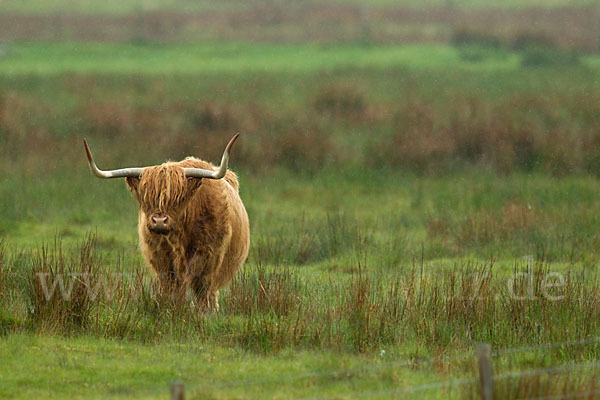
(4, 273)
(373, 311)
(7, 321)
(264, 290)
(60, 286)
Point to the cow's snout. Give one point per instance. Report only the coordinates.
(160, 223)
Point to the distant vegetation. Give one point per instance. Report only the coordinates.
(134, 6)
(573, 26)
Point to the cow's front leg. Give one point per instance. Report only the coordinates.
(205, 292)
(202, 281)
(162, 264)
(166, 278)
(181, 279)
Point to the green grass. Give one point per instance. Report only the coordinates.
(57, 58)
(234, 58)
(55, 367)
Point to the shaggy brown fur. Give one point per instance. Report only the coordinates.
(210, 235)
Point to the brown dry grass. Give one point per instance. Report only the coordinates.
(553, 131)
(496, 134)
(340, 100)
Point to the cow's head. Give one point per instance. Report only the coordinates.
(162, 191)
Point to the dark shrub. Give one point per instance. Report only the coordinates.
(343, 100)
(538, 51)
(539, 56)
(300, 144)
(208, 117)
(465, 37)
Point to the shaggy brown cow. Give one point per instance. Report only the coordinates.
(193, 226)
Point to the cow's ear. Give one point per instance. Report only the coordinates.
(132, 183)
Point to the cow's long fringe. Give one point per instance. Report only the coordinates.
(162, 187)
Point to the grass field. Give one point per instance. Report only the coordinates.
(405, 202)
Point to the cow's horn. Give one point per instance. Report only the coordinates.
(115, 173)
(210, 174)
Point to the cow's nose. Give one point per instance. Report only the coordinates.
(160, 221)
(157, 219)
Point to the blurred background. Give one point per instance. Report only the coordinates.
(411, 85)
(344, 90)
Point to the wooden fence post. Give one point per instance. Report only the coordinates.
(486, 380)
(177, 391)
